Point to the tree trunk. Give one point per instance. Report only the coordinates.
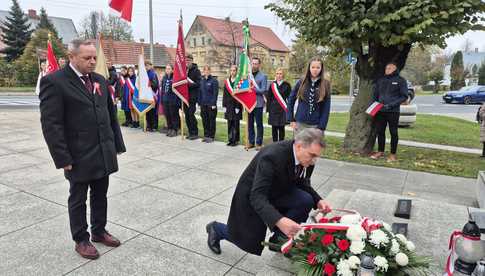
(360, 134)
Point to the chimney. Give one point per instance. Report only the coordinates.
(142, 40)
(32, 13)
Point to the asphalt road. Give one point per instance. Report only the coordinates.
(425, 104)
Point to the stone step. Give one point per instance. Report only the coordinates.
(429, 227)
(338, 198)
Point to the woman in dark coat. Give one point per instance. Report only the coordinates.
(234, 109)
(277, 96)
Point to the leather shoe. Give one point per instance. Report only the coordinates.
(106, 239)
(193, 137)
(87, 250)
(212, 238)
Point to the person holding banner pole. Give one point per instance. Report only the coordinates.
(278, 93)
(391, 91)
(260, 82)
(131, 80)
(312, 93)
(193, 78)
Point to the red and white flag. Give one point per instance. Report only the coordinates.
(123, 8)
(180, 84)
(278, 97)
(374, 108)
(51, 66)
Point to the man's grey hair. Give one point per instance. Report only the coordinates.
(74, 45)
(310, 136)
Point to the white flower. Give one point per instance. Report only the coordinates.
(343, 268)
(378, 238)
(381, 263)
(350, 219)
(387, 227)
(357, 247)
(410, 246)
(402, 238)
(354, 262)
(402, 259)
(394, 247)
(356, 233)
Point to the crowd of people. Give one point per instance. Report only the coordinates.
(306, 105)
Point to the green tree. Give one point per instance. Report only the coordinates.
(110, 26)
(377, 32)
(436, 75)
(474, 70)
(45, 23)
(15, 32)
(28, 64)
(418, 64)
(457, 72)
(301, 52)
(481, 74)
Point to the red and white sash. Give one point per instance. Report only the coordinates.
(227, 83)
(131, 86)
(111, 90)
(278, 97)
(450, 261)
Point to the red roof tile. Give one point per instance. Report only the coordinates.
(126, 52)
(222, 33)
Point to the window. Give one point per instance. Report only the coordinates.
(282, 62)
(209, 41)
(273, 61)
(195, 42)
(203, 41)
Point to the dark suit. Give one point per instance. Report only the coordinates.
(81, 129)
(257, 201)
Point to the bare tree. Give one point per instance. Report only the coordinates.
(467, 45)
(110, 26)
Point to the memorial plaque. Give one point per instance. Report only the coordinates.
(403, 209)
(400, 228)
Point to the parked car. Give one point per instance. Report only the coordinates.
(408, 109)
(466, 95)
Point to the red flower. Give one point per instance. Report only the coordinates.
(313, 237)
(327, 239)
(311, 258)
(330, 231)
(343, 245)
(323, 220)
(329, 269)
(335, 219)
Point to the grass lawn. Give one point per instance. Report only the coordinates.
(432, 129)
(410, 158)
(27, 89)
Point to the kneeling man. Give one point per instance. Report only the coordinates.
(273, 192)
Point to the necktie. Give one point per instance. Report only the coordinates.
(87, 83)
(298, 171)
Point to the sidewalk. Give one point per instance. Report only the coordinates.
(159, 204)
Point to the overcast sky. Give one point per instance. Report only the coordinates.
(166, 13)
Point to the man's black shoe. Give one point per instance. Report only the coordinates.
(193, 137)
(212, 238)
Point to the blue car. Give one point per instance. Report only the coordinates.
(466, 95)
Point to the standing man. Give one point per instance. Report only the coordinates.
(257, 115)
(194, 76)
(81, 129)
(391, 90)
(273, 192)
(152, 114)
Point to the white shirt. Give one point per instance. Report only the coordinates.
(298, 163)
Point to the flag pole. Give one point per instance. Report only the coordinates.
(182, 119)
(151, 29)
(246, 129)
(138, 79)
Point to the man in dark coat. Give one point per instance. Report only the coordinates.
(273, 192)
(193, 74)
(81, 129)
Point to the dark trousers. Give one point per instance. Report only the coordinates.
(152, 118)
(209, 116)
(295, 205)
(190, 119)
(233, 131)
(256, 115)
(382, 120)
(128, 117)
(172, 116)
(77, 207)
(278, 133)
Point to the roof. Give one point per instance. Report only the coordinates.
(126, 52)
(222, 33)
(171, 52)
(64, 26)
